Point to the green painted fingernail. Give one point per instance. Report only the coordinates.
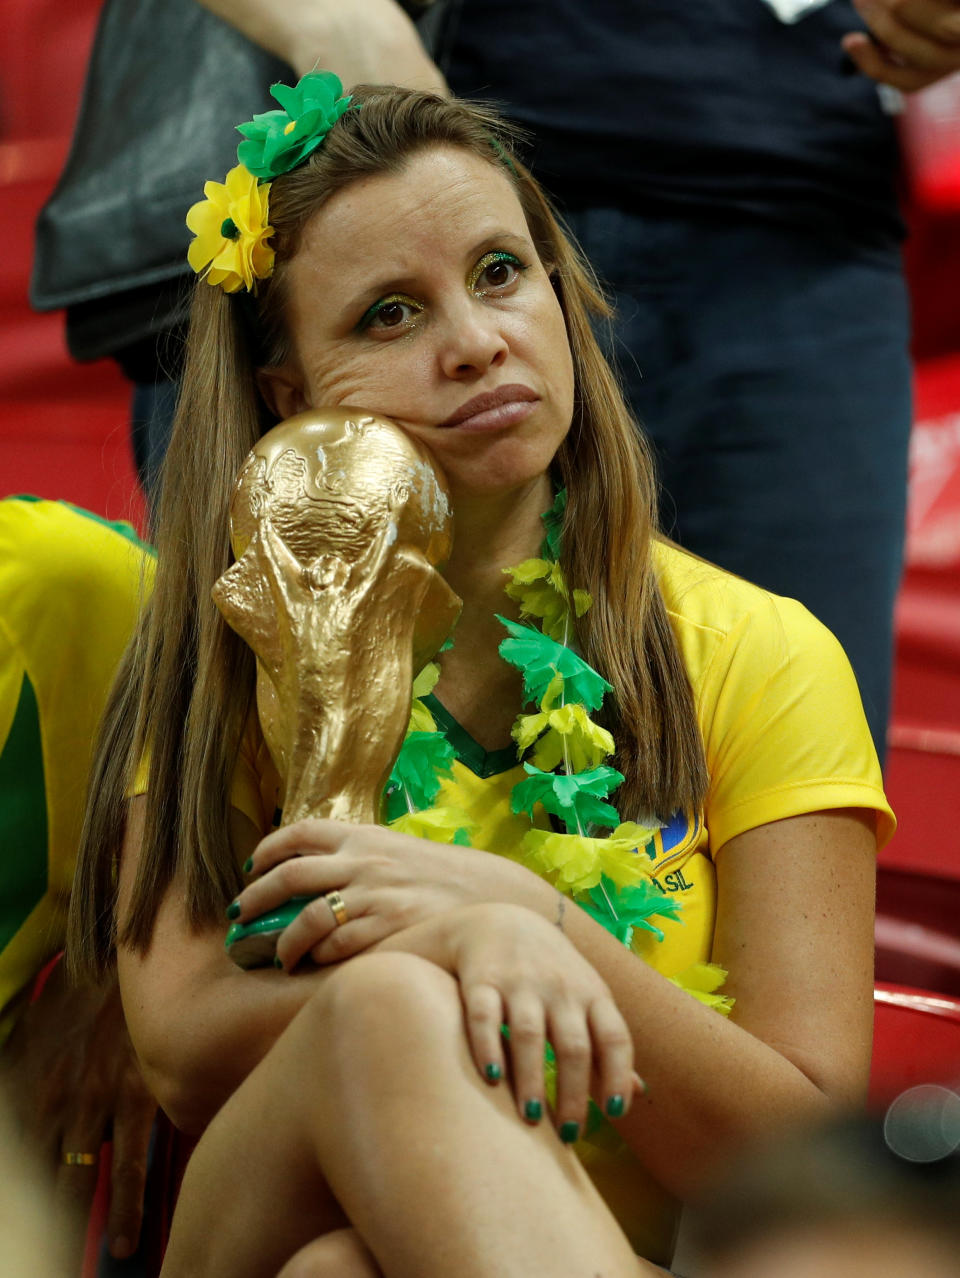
(493, 1072)
(278, 962)
(533, 1111)
(569, 1132)
(248, 865)
(233, 910)
(615, 1106)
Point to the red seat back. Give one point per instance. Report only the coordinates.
(916, 1040)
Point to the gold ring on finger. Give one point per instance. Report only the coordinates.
(337, 906)
(73, 1159)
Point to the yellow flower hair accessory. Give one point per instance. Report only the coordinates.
(231, 226)
(231, 230)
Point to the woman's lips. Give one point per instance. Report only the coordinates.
(494, 410)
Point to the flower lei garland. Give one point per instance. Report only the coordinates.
(608, 876)
(231, 225)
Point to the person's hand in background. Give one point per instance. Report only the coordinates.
(71, 1077)
(911, 43)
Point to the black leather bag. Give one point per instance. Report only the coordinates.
(166, 82)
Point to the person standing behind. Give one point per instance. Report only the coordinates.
(71, 587)
(732, 178)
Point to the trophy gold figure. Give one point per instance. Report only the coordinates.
(339, 524)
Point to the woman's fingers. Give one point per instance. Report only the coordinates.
(326, 924)
(526, 1021)
(613, 1058)
(352, 938)
(483, 1011)
(315, 835)
(570, 1038)
(300, 876)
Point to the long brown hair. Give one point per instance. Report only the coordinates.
(186, 686)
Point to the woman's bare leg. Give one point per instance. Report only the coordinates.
(253, 1194)
(341, 1252)
(373, 1084)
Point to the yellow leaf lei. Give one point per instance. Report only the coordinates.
(610, 877)
(599, 872)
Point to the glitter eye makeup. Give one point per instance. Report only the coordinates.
(390, 311)
(494, 273)
(506, 262)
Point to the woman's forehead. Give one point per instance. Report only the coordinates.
(442, 200)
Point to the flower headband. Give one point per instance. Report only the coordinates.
(231, 226)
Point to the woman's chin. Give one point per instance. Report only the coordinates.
(498, 486)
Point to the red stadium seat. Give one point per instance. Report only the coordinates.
(916, 1040)
(64, 428)
(918, 887)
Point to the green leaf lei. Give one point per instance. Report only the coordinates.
(610, 877)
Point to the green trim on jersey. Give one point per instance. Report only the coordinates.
(481, 762)
(23, 802)
(120, 526)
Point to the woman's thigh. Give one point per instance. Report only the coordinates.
(253, 1193)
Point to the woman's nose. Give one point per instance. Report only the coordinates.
(473, 342)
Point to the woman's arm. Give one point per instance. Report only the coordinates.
(794, 929)
(795, 932)
(199, 1023)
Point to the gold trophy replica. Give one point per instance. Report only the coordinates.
(339, 523)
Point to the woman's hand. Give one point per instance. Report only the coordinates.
(388, 882)
(518, 970)
(73, 1080)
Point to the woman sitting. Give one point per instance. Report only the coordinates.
(387, 253)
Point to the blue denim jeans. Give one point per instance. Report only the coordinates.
(769, 368)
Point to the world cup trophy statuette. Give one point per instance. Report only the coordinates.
(339, 525)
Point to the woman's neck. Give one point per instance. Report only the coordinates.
(482, 692)
(490, 535)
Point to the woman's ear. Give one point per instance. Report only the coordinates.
(282, 390)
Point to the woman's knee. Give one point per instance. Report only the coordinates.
(340, 1254)
(389, 988)
(366, 1011)
(373, 998)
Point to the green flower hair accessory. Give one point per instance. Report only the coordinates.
(277, 141)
